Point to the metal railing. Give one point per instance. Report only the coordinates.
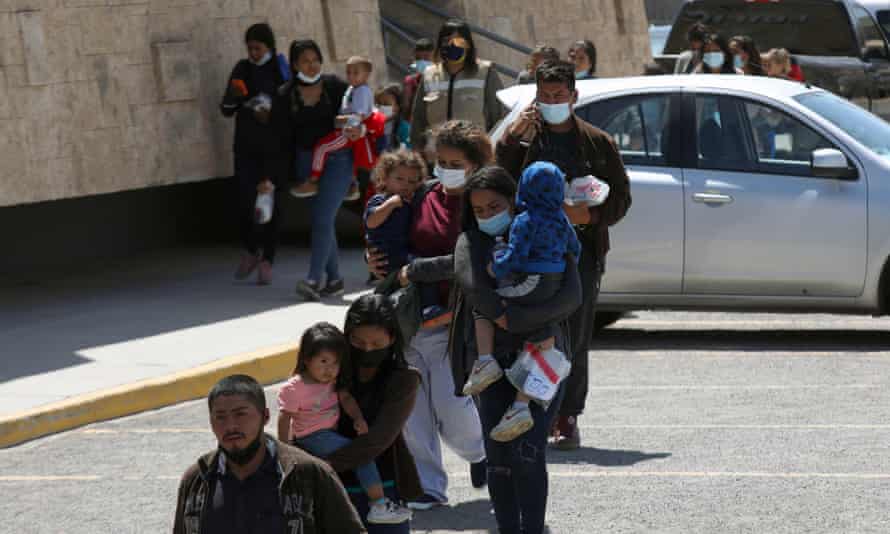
(476, 29)
(408, 36)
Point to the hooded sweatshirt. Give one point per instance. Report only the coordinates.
(541, 234)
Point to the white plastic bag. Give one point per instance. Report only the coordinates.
(586, 191)
(538, 374)
(265, 203)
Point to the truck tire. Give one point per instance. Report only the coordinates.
(605, 319)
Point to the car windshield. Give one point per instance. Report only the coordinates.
(859, 124)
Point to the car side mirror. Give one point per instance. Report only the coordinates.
(832, 163)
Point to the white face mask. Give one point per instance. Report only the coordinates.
(388, 111)
(263, 60)
(451, 178)
(307, 80)
(555, 113)
(713, 60)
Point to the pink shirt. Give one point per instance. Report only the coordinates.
(313, 407)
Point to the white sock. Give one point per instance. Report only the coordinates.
(486, 357)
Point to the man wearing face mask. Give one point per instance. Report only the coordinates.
(548, 130)
(255, 483)
(457, 86)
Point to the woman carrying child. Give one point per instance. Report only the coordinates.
(384, 389)
(310, 406)
(303, 112)
(517, 469)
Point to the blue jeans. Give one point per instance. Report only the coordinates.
(332, 189)
(326, 442)
(517, 470)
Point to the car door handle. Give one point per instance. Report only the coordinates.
(712, 198)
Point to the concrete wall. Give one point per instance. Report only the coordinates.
(619, 28)
(98, 96)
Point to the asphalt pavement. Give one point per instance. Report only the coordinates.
(695, 423)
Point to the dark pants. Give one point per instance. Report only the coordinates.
(360, 501)
(249, 171)
(517, 470)
(581, 331)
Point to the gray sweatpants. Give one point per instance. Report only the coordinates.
(439, 412)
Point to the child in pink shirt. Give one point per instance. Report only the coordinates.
(309, 411)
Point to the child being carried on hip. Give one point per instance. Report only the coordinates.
(528, 268)
(356, 108)
(309, 411)
(389, 216)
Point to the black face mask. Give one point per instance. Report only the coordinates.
(245, 455)
(369, 359)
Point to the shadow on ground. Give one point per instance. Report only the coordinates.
(45, 323)
(743, 340)
(603, 457)
(472, 516)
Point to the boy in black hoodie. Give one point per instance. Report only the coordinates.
(248, 96)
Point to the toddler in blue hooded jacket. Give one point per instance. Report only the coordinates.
(528, 269)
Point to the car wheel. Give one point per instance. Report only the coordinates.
(605, 319)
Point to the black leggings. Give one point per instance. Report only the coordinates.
(249, 171)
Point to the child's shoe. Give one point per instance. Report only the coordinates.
(388, 513)
(264, 277)
(516, 422)
(485, 373)
(305, 190)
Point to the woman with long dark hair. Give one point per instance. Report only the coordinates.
(517, 470)
(303, 112)
(716, 56)
(385, 387)
(458, 85)
(746, 56)
(583, 54)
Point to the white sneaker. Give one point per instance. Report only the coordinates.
(514, 423)
(484, 374)
(388, 513)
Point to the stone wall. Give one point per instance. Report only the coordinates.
(98, 96)
(619, 28)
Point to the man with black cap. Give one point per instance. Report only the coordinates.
(248, 97)
(255, 483)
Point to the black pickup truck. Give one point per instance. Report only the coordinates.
(837, 43)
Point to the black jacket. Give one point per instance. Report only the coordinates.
(251, 136)
(292, 133)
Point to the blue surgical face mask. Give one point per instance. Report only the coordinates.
(555, 113)
(714, 60)
(496, 225)
(737, 62)
(582, 74)
(451, 178)
(306, 80)
(421, 64)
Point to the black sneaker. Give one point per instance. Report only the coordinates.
(308, 290)
(333, 289)
(427, 502)
(479, 474)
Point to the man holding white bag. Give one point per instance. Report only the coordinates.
(597, 196)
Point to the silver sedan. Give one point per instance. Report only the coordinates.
(749, 193)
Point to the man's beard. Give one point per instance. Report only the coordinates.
(245, 455)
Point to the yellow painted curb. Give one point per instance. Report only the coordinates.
(267, 366)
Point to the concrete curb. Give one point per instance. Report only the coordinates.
(267, 366)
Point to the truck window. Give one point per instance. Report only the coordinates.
(871, 40)
(808, 27)
(884, 21)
